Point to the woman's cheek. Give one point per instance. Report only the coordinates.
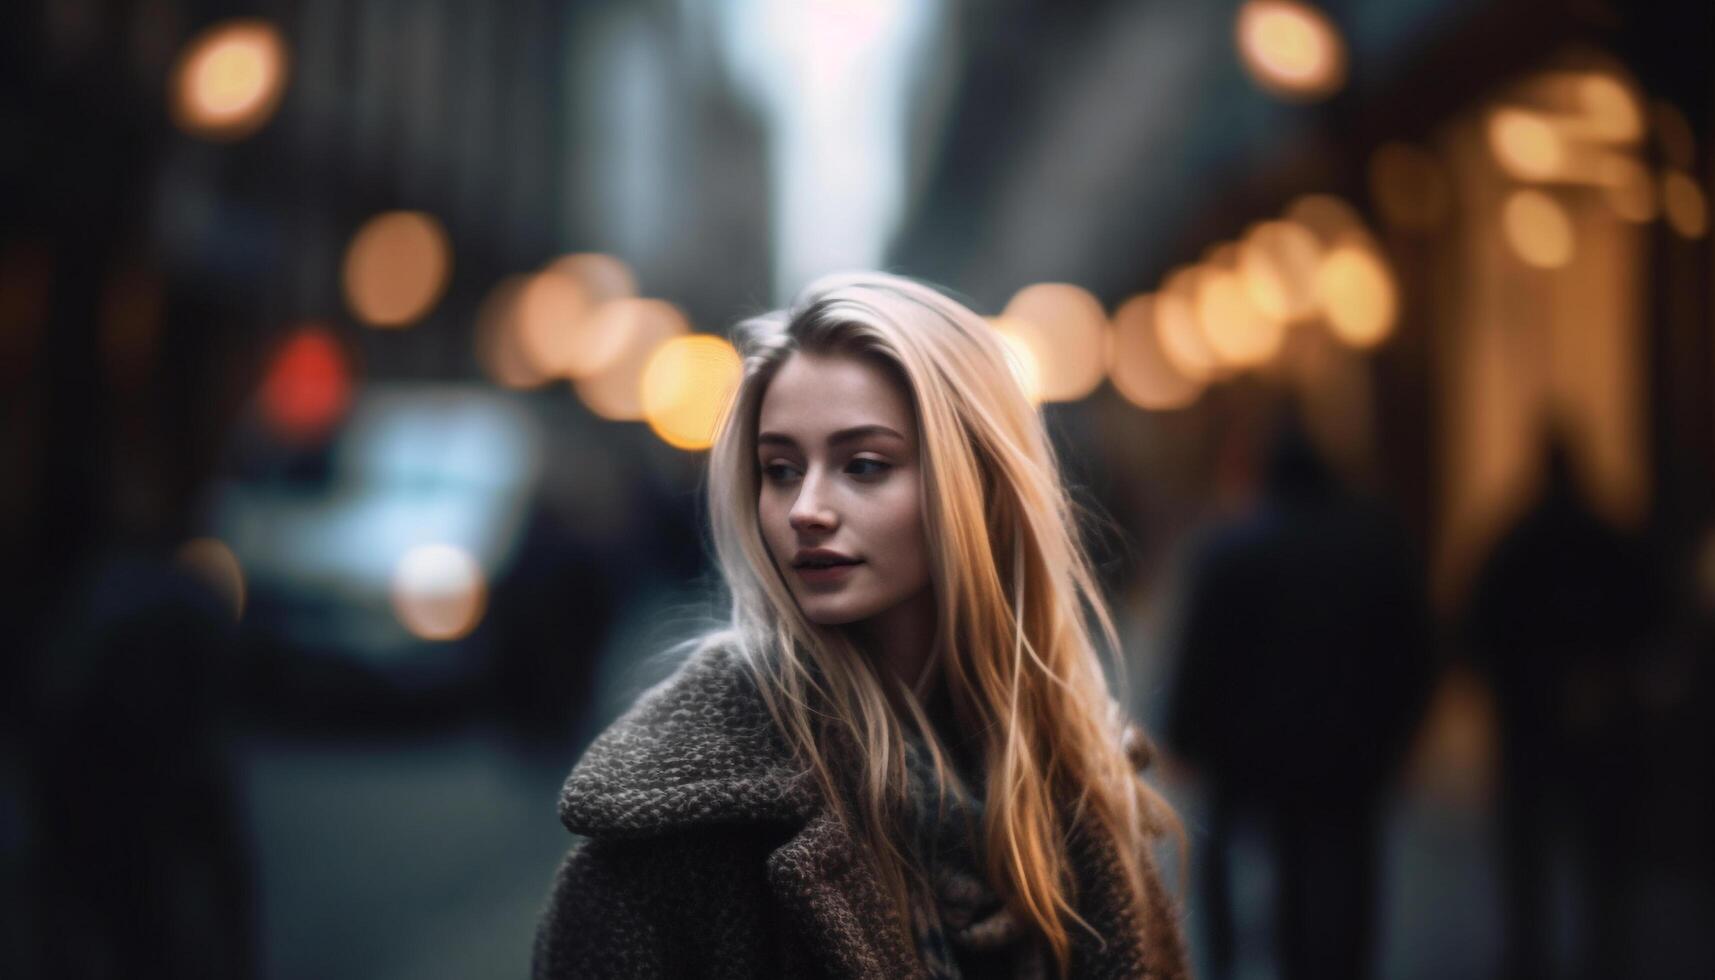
(905, 521)
(768, 515)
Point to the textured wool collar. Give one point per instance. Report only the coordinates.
(697, 749)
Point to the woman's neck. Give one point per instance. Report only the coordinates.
(902, 640)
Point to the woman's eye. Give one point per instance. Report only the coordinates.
(867, 467)
(778, 472)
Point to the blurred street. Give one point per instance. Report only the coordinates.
(428, 857)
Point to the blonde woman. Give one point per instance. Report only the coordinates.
(900, 757)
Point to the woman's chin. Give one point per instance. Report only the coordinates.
(823, 612)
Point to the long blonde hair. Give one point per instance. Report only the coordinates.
(1015, 598)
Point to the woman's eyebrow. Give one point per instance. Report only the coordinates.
(843, 435)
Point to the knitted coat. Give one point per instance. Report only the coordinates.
(704, 854)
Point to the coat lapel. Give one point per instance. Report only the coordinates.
(836, 905)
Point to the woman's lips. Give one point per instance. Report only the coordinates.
(832, 574)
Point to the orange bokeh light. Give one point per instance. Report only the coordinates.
(1683, 202)
(1674, 135)
(396, 268)
(1358, 295)
(1327, 217)
(686, 387)
(1526, 144)
(1538, 228)
(1178, 330)
(498, 348)
(1238, 333)
(638, 326)
(1610, 110)
(1141, 372)
(1291, 49)
(229, 80)
(1628, 188)
(1277, 263)
(560, 326)
(1063, 325)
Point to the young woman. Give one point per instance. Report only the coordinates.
(900, 758)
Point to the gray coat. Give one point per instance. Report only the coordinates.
(706, 855)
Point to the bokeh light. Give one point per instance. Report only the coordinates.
(211, 561)
(1327, 217)
(559, 327)
(603, 276)
(640, 326)
(1358, 296)
(687, 384)
(1628, 188)
(551, 311)
(1067, 339)
(396, 268)
(1177, 327)
(1277, 264)
(307, 388)
(498, 348)
(1684, 204)
(1525, 144)
(1409, 186)
(1238, 333)
(1610, 110)
(1291, 49)
(1141, 372)
(439, 592)
(1673, 134)
(228, 80)
(1537, 228)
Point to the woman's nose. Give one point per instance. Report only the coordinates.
(810, 512)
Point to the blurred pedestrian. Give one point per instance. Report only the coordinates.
(1304, 663)
(1559, 617)
(141, 865)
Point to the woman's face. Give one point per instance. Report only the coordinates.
(837, 450)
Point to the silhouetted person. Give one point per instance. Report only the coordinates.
(139, 864)
(1302, 671)
(1559, 615)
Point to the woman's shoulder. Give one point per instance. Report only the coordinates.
(698, 749)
